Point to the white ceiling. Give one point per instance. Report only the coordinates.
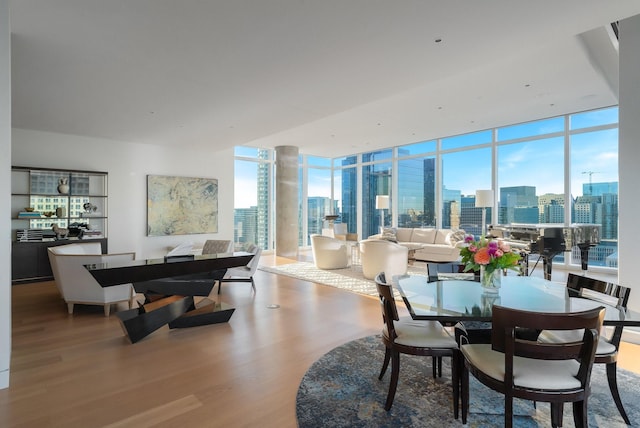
(333, 77)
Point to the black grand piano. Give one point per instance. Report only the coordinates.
(548, 240)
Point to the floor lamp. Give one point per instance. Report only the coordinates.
(382, 203)
(484, 199)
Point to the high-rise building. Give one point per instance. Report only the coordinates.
(450, 207)
(245, 229)
(349, 209)
(264, 195)
(411, 194)
(317, 208)
(516, 205)
(471, 216)
(429, 211)
(599, 189)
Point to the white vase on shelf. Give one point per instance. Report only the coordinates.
(63, 186)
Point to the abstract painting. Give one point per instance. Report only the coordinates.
(181, 205)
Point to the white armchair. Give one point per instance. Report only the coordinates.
(77, 285)
(380, 255)
(329, 253)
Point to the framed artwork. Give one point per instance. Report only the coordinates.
(181, 205)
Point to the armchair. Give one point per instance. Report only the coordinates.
(329, 253)
(75, 283)
(379, 255)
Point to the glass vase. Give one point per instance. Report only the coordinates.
(490, 281)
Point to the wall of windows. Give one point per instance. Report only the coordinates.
(559, 170)
(253, 190)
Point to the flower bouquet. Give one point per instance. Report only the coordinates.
(489, 257)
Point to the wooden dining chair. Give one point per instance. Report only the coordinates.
(407, 336)
(532, 370)
(608, 345)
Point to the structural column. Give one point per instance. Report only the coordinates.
(629, 159)
(287, 201)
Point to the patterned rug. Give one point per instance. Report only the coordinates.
(349, 279)
(342, 389)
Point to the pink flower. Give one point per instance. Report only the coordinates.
(504, 246)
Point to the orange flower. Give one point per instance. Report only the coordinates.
(482, 257)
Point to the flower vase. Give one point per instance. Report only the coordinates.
(490, 281)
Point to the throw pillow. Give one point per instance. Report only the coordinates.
(389, 233)
(458, 235)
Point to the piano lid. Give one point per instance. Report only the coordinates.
(574, 234)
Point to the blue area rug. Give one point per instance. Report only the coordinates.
(342, 389)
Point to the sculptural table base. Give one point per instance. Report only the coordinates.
(176, 311)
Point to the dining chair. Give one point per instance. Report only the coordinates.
(406, 336)
(608, 345)
(533, 370)
(217, 246)
(243, 273)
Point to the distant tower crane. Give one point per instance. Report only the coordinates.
(590, 182)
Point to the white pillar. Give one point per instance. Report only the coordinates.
(287, 201)
(629, 158)
(5, 193)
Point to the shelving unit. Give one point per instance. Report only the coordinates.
(74, 200)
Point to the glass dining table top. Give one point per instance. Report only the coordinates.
(462, 300)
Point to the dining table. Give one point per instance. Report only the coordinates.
(452, 300)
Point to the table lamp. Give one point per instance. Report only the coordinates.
(484, 199)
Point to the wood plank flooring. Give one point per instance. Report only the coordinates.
(80, 371)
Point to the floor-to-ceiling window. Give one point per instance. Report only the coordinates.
(466, 167)
(318, 194)
(559, 170)
(345, 191)
(252, 195)
(376, 181)
(416, 185)
(594, 180)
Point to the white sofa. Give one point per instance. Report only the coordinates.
(75, 283)
(434, 245)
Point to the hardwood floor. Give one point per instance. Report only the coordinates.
(80, 371)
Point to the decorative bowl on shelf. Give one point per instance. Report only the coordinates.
(29, 209)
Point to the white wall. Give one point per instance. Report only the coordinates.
(629, 158)
(5, 190)
(128, 165)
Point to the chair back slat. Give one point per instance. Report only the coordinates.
(387, 302)
(506, 320)
(580, 282)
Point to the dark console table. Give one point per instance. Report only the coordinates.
(169, 285)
